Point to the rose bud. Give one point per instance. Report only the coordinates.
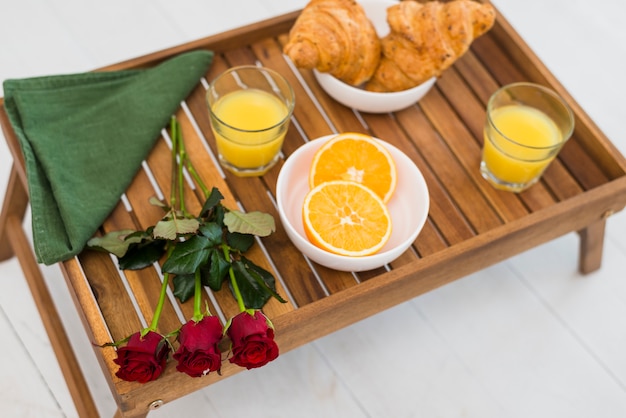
(252, 338)
(198, 353)
(142, 359)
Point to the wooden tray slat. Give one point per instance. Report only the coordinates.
(109, 292)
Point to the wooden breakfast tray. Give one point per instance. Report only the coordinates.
(470, 224)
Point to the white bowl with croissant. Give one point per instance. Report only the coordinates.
(383, 55)
(369, 101)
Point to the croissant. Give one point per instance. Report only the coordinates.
(335, 36)
(426, 39)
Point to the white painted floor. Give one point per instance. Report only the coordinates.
(529, 337)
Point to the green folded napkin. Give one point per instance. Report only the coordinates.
(84, 137)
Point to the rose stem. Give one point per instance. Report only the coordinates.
(197, 297)
(179, 166)
(173, 196)
(162, 295)
(231, 272)
(184, 158)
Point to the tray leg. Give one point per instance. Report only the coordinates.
(13, 241)
(15, 203)
(591, 247)
(68, 363)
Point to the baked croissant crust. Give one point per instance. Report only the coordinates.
(335, 36)
(425, 39)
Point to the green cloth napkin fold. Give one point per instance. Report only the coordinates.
(84, 137)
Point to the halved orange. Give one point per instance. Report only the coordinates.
(347, 218)
(356, 157)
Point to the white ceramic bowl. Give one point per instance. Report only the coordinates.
(408, 208)
(367, 101)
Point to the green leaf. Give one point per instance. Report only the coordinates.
(214, 275)
(264, 278)
(156, 202)
(213, 232)
(188, 255)
(184, 286)
(212, 201)
(241, 242)
(256, 285)
(142, 255)
(165, 230)
(147, 235)
(218, 215)
(253, 295)
(116, 242)
(256, 223)
(170, 229)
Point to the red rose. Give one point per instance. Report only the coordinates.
(198, 353)
(143, 358)
(252, 338)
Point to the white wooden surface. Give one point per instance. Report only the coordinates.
(527, 337)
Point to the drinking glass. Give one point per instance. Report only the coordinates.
(527, 125)
(250, 108)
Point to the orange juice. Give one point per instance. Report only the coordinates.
(531, 143)
(250, 132)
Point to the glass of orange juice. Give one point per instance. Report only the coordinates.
(527, 125)
(250, 108)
